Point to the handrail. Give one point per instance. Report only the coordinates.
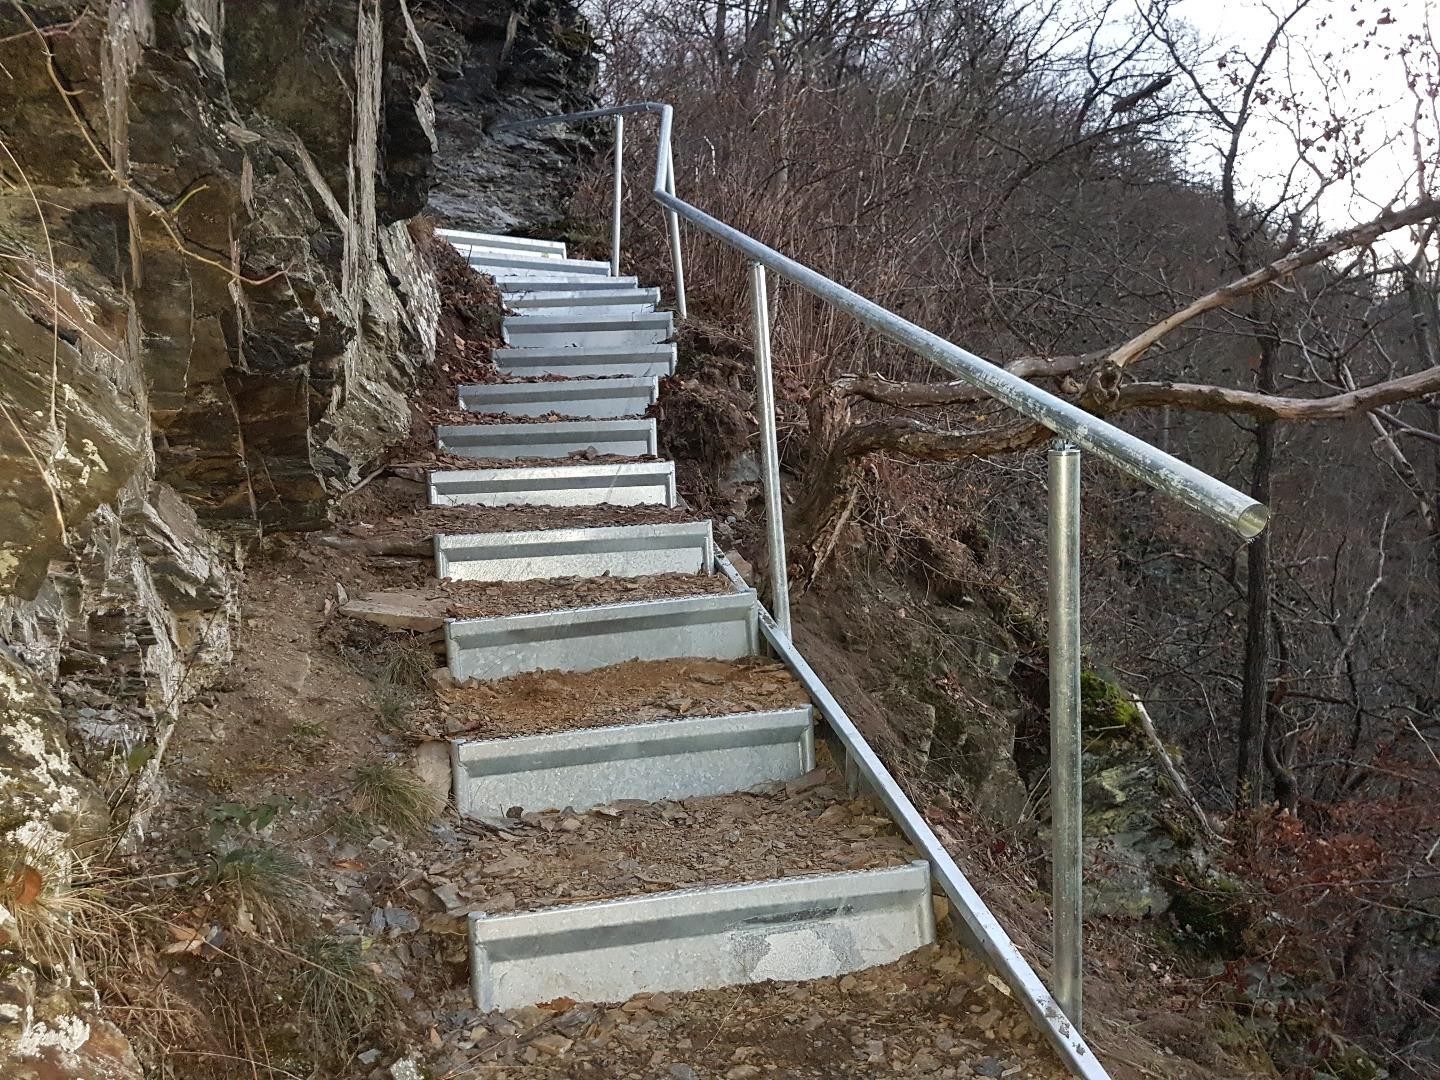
(1131, 455)
(1058, 1016)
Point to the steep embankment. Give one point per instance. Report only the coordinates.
(212, 313)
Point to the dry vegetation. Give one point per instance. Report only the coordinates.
(1022, 181)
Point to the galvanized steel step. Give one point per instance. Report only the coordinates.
(523, 265)
(465, 242)
(626, 483)
(586, 331)
(577, 283)
(594, 301)
(558, 439)
(715, 627)
(598, 398)
(682, 547)
(785, 929)
(665, 759)
(633, 360)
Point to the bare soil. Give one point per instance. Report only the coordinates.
(636, 692)
(633, 848)
(421, 523)
(484, 599)
(465, 416)
(931, 1015)
(425, 462)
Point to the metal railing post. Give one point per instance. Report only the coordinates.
(672, 220)
(1066, 812)
(769, 450)
(615, 209)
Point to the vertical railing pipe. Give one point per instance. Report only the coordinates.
(619, 190)
(1066, 822)
(672, 222)
(769, 450)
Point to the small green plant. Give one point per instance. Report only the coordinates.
(393, 796)
(257, 817)
(337, 994)
(308, 732)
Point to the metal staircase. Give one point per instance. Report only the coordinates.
(611, 344)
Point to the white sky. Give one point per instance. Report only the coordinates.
(1356, 66)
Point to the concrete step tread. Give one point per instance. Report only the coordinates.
(615, 551)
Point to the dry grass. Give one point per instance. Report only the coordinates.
(259, 882)
(338, 995)
(390, 794)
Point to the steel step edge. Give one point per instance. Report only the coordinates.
(710, 627)
(626, 483)
(978, 927)
(594, 398)
(633, 360)
(555, 439)
(567, 301)
(786, 929)
(520, 264)
(682, 547)
(569, 331)
(518, 287)
(681, 758)
(462, 238)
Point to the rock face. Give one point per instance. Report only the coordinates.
(212, 311)
(493, 63)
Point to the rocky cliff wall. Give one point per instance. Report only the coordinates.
(211, 313)
(495, 62)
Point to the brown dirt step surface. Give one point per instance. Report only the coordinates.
(416, 468)
(630, 848)
(425, 606)
(396, 507)
(932, 1015)
(464, 416)
(485, 599)
(636, 692)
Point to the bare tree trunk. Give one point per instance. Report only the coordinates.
(1254, 704)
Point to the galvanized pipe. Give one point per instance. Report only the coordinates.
(978, 921)
(672, 222)
(769, 449)
(1066, 810)
(619, 190)
(1132, 456)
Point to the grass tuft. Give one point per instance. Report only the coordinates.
(404, 662)
(392, 795)
(260, 881)
(338, 996)
(394, 704)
